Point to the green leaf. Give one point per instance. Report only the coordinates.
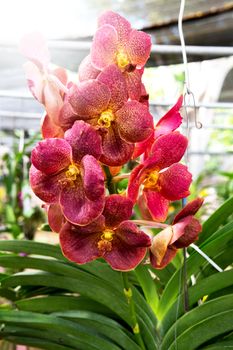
(216, 219)
(79, 336)
(204, 287)
(205, 330)
(194, 262)
(193, 317)
(85, 284)
(227, 344)
(148, 286)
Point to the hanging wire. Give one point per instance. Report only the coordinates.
(187, 94)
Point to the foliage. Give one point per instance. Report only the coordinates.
(58, 304)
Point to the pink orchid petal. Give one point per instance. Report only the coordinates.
(175, 182)
(86, 70)
(144, 98)
(169, 255)
(46, 187)
(133, 82)
(93, 178)
(139, 47)
(121, 25)
(49, 129)
(67, 116)
(130, 234)
(143, 147)
(156, 204)
(77, 207)
(134, 183)
(115, 150)
(61, 74)
(134, 121)
(143, 208)
(83, 139)
(55, 217)
(113, 78)
(35, 80)
(128, 247)
(89, 98)
(170, 149)
(192, 228)
(117, 209)
(104, 46)
(51, 155)
(80, 244)
(170, 121)
(34, 47)
(52, 100)
(190, 209)
(160, 244)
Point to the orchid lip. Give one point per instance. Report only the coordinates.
(151, 180)
(122, 59)
(106, 118)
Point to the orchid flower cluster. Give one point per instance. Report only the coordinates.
(91, 129)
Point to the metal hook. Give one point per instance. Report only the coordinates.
(198, 124)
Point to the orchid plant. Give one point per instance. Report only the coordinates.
(104, 122)
(94, 130)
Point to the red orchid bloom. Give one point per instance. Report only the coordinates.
(115, 42)
(46, 85)
(104, 104)
(162, 179)
(168, 123)
(66, 171)
(184, 231)
(111, 236)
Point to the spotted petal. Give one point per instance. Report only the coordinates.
(116, 151)
(80, 243)
(46, 187)
(83, 139)
(175, 182)
(117, 209)
(134, 121)
(55, 217)
(51, 155)
(50, 129)
(170, 121)
(113, 78)
(129, 247)
(191, 230)
(156, 204)
(86, 70)
(121, 25)
(139, 47)
(89, 98)
(104, 46)
(77, 207)
(93, 178)
(190, 209)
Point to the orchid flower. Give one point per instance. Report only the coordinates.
(111, 236)
(104, 104)
(47, 86)
(160, 176)
(184, 231)
(66, 171)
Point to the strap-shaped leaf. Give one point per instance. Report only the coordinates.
(195, 316)
(194, 262)
(227, 344)
(203, 331)
(216, 219)
(206, 286)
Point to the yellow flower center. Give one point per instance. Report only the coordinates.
(72, 172)
(122, 59)
(105, 244)
(152, 180)
(106, 118)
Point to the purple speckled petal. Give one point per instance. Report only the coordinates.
(117, 209)
(83, 139)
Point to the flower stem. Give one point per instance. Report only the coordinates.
(111, 186)
(129, 296)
